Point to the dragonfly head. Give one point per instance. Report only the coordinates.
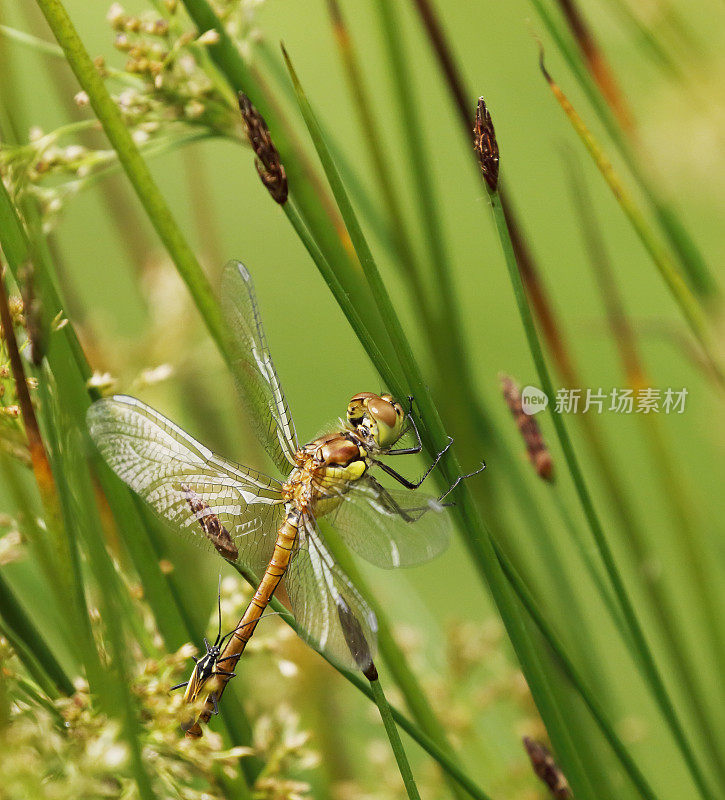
(377, 418)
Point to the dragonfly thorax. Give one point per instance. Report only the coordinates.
(325, 467)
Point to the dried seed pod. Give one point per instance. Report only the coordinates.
(547, 769)
(485, 144)
(536, 448)
(267, 161)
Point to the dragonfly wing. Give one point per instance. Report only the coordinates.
(332, 615)
(391, 527)
(253, 368)
(235, 508)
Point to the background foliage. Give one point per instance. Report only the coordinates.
(142, 333)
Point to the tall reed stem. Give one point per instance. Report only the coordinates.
(646, 658)
(391, 729)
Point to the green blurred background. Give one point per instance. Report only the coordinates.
(133, 314)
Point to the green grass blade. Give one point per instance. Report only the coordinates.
(30, 645)
(589, 697)
(394, 658)
(447, 763)
(230, 63)
(681, 293)
(403, 249)
(646, 659)
(391, 730)
(87, 524)
(32, 42)
(477, 537)
(691, 259)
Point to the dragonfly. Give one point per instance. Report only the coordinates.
(270, 527)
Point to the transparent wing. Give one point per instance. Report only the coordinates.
(235, 508)
(333, 616)
(254, 371)
(391, 527)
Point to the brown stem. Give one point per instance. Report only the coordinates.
(597, 64)
(38, 456)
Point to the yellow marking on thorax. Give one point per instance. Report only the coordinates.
(310, 485)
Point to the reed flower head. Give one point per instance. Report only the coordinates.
(485, 144)
(536, 448)
(267, 160)
(547, 769)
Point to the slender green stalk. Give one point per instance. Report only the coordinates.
(646, 659)
(424, 741)
(693, 550)
(71, 591)
(659, 51)
(690, 257)
(391, 730)
(448, 764)
(395, 659)
(373, 140)
(116, 194)
(30, 645)
(86, 524)
(589, 697)
(634, 536)
(65, 563)
(314, 207)
(587, 554)
(420, 176)
(32, 42)
(16, 248)
(448, 350)
(135, 167)
(365, 201)
(477, 539)
(684, 298)
(174, 626)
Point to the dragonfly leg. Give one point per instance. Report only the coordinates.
(179, 685)
(212, 698)
(391, 504)
(458, 480)
(414, 484)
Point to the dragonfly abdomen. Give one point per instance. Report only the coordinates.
(286, 538)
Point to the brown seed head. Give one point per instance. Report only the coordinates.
(267, 161)
(485, 144)
(536, 448)
(547, 769)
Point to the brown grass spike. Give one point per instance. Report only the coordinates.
(267, 160)
(536, 448)
(547, 769)
(485, 144)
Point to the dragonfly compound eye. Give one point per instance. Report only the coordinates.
(389, 420)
